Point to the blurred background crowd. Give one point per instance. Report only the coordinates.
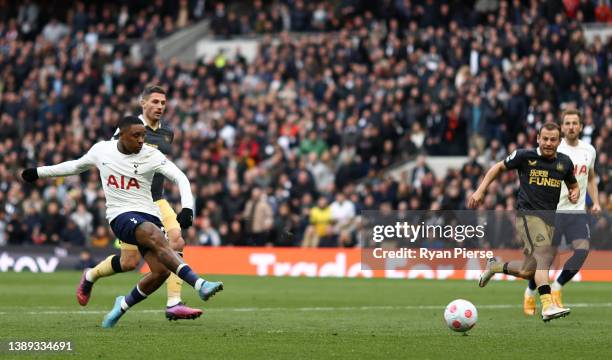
(289, 148)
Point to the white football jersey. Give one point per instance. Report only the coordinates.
(583, 157)
(126, 179)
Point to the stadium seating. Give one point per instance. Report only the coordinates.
(364, 87)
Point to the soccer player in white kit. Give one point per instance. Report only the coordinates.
(572, 219)
(127, 167)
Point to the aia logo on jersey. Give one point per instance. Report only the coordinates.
(580, 171)
(123, 183)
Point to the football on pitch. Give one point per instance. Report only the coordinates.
(460, 315)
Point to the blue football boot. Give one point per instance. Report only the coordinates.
(114, 315)
(210, 288)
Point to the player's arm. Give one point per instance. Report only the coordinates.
(573, 192)
(593, 192)
(572, 184)
(72, 167)
(172, 172)
(478, 196)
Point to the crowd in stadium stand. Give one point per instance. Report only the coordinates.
(313, 16)
(287, 149)
(97, 21)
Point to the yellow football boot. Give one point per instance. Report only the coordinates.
(557, 299)
(529, 304)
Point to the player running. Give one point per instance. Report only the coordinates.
(127, 169)
(541, 173)
(160, 136)
(571, 220)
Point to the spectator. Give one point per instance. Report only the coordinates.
(86, 261)
(258, 218)
(343, 216)
(16, 231)
(233, 202)
(101, 238)
(27, 17)
(219, 21)
(71, 234)
(321, 169)
(83, 219)
(300, 17)
(494, 153)
(208, 235)
(53, 223)
(472, 169)
(285, 227)
(420, 172)
(313, 143)
(320, 224)
(479, 115)
(234, 235)
(603, 13)
(54, 31)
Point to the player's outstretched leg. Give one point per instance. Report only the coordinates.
(529, 300)
(570, 269)
(114, 264)
(176, 309)
(151, 237)
(523, 269)
(83, 291)
(487, 274)
(550, 311)
(206, 289)
(520, 269)
(115, 314)
(106, 267)
(146, 286)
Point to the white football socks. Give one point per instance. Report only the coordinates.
(89, 275)
(198, 284)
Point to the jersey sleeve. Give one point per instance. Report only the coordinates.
(515, 159)
(593, 157)
(171, 171)
(71, 167)
(569, 177)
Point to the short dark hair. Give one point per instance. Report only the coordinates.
(152, 89)
(550, 126)
(571, 112)
(128, 121)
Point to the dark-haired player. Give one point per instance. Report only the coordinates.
(160, 136)
(541, 172)
(127, 168)
(571, 220)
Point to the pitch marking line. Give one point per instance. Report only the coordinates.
(305, 309)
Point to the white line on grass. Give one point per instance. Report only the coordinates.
(288, 309)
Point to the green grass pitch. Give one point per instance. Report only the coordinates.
(303, 318)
